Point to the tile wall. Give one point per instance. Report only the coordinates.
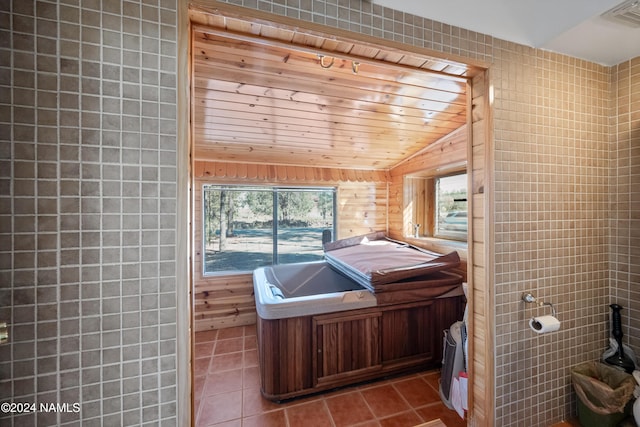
(88, 210)
(88, 202)
(551, 236)
(625, 177)
(552, 184)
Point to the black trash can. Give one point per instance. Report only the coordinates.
(604, 394)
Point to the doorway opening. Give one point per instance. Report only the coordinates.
(248, 129)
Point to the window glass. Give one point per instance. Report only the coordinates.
(451, 206)
(250, 227)
(303, 215)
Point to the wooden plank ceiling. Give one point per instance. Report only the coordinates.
(262, 94)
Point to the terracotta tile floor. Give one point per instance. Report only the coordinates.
(227, 393)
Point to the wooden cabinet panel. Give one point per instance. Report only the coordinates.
(284, 352)
(346, 345)
(412, 334)
(407, 333)
(308, 354)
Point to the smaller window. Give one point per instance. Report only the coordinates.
(451, 206)
(436, 206)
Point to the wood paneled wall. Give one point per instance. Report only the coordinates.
(227, 299)
(448, 151)
(452, 150)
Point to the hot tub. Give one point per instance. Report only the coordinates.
(303, 289)
(317, 329)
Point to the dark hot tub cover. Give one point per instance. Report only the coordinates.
(374, 259)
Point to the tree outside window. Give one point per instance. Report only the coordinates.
(250, 227)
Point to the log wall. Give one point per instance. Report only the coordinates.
(449, 151)
(225, 300)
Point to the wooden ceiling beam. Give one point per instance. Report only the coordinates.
(314, 51)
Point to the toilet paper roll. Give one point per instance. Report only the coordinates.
(543, 324)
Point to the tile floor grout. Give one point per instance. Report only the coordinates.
(418, 402)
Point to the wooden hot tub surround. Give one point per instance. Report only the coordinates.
(308, 354)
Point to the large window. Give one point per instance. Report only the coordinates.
(250, 227)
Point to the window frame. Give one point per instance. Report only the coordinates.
(421, 202)
(274, 232)
(450, 234)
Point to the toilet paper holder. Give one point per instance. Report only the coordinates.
(529, 298)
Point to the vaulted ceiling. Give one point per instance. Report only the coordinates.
(280, 95)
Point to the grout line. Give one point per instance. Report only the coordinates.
(413, 408)
(305, 400)
(326, 408)
(375, 417)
